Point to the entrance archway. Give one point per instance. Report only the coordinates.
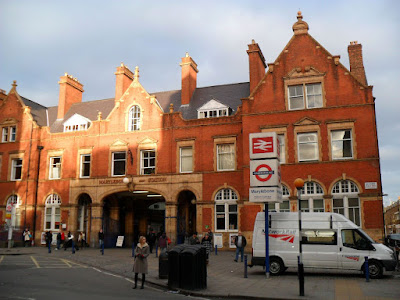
(132, 214)
(186, 215)
(84, 215)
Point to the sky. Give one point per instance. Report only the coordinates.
(41, 40)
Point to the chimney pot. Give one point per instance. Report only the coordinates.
(70, 92)
(356, 62)
(124, 78)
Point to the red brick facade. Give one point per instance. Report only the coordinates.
(347, 104)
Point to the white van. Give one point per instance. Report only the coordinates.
(329, 240)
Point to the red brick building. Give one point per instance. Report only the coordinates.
(179, 160)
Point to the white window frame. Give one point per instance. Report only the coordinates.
(285, 198)
(231, 153)
(183, 156)
(226, 197)
(83, 163)
(53, 203)
(312, 191)
(305, 95)
(343, 140)
(213, 113)
(54, 166)
(13, 133)
(134, 118)
(143, 158)
(282, 149)
(117, 160)
(15, 201)
(4, 135)
(14, 167)
(315, 143)
(345, 190)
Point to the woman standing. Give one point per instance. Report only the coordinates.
(140, 264)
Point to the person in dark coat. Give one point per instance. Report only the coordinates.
(163, 242)
(58, 240)
(240, 243)
(206, 241)
(194, 240)
(140, 264)
(101, 239)
(49, 239)
(151, 239)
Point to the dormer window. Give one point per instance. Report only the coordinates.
(76, 123)
(213, 109)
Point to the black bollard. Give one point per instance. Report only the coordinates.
(301, 276)
(366, 266)
(245, 266)
(73, 246)
(216, 249)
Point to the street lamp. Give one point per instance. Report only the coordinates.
(299, 184)
(129, 183)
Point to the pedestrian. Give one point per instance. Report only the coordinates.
(163, 242)
(27, 237)
(49, 239)
(211, 235)
(63, 238)
(206, 241)
(140, 264)
(194, 240)
(101, 239)
(68, 242)
(151, 239)
(58, 240)
(83, 240)
(240, 243)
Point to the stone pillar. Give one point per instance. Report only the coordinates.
(129, 217)
(96, 224)
(73, 219)
(171, 214)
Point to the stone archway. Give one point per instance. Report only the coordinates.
(186, 223)
(132, 214)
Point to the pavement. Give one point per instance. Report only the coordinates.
(225, 278)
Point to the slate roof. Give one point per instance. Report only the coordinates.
(38, 111)
(228, 94)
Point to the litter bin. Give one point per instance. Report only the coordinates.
(163, 265)
(174, 266)
(193, 269)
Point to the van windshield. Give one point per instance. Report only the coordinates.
(366, 236)
(355, 238)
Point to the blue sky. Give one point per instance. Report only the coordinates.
(40, 40)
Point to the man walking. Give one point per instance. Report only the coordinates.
(49, 239)
(240, 243)
(101, 240)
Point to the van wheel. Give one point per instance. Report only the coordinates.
(375, 269)
(276, 266)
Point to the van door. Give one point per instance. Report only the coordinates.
(320, 248)
(354, 247)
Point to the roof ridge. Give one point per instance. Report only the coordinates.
(33, 101)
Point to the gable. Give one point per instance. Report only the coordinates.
(76, 119)
(213, 104)
(306, 121)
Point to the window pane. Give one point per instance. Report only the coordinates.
(338, 203)
(232, 221)
(13, 134)
(119, 168)
(305, 206)
(284, 206)
(232, 208)
(308, 146)
(353, 202)
(341, 144)
(220, 208)
(226, 157)
(220, 222)
(318, 205)
(296, 99)
(314, 95)
(281, 138)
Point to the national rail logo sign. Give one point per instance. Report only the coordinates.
(264, 145)
(265, 172)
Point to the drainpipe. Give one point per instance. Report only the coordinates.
(40, 148)
(27, 177)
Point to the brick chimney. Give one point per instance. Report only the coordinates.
(189, 78)
(124, 78)
(256, 64)
(70, 92)
(356, 62)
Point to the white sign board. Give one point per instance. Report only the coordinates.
(265, 194)
(371, 185)
(265, 172)
(218, 240)
(120, 240)
(264, 145)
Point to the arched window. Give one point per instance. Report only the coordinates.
(53, 213)
(311, 197)
(346, 201)
(285, 205)
(134, 118)
(15, 203)
(226, 210)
